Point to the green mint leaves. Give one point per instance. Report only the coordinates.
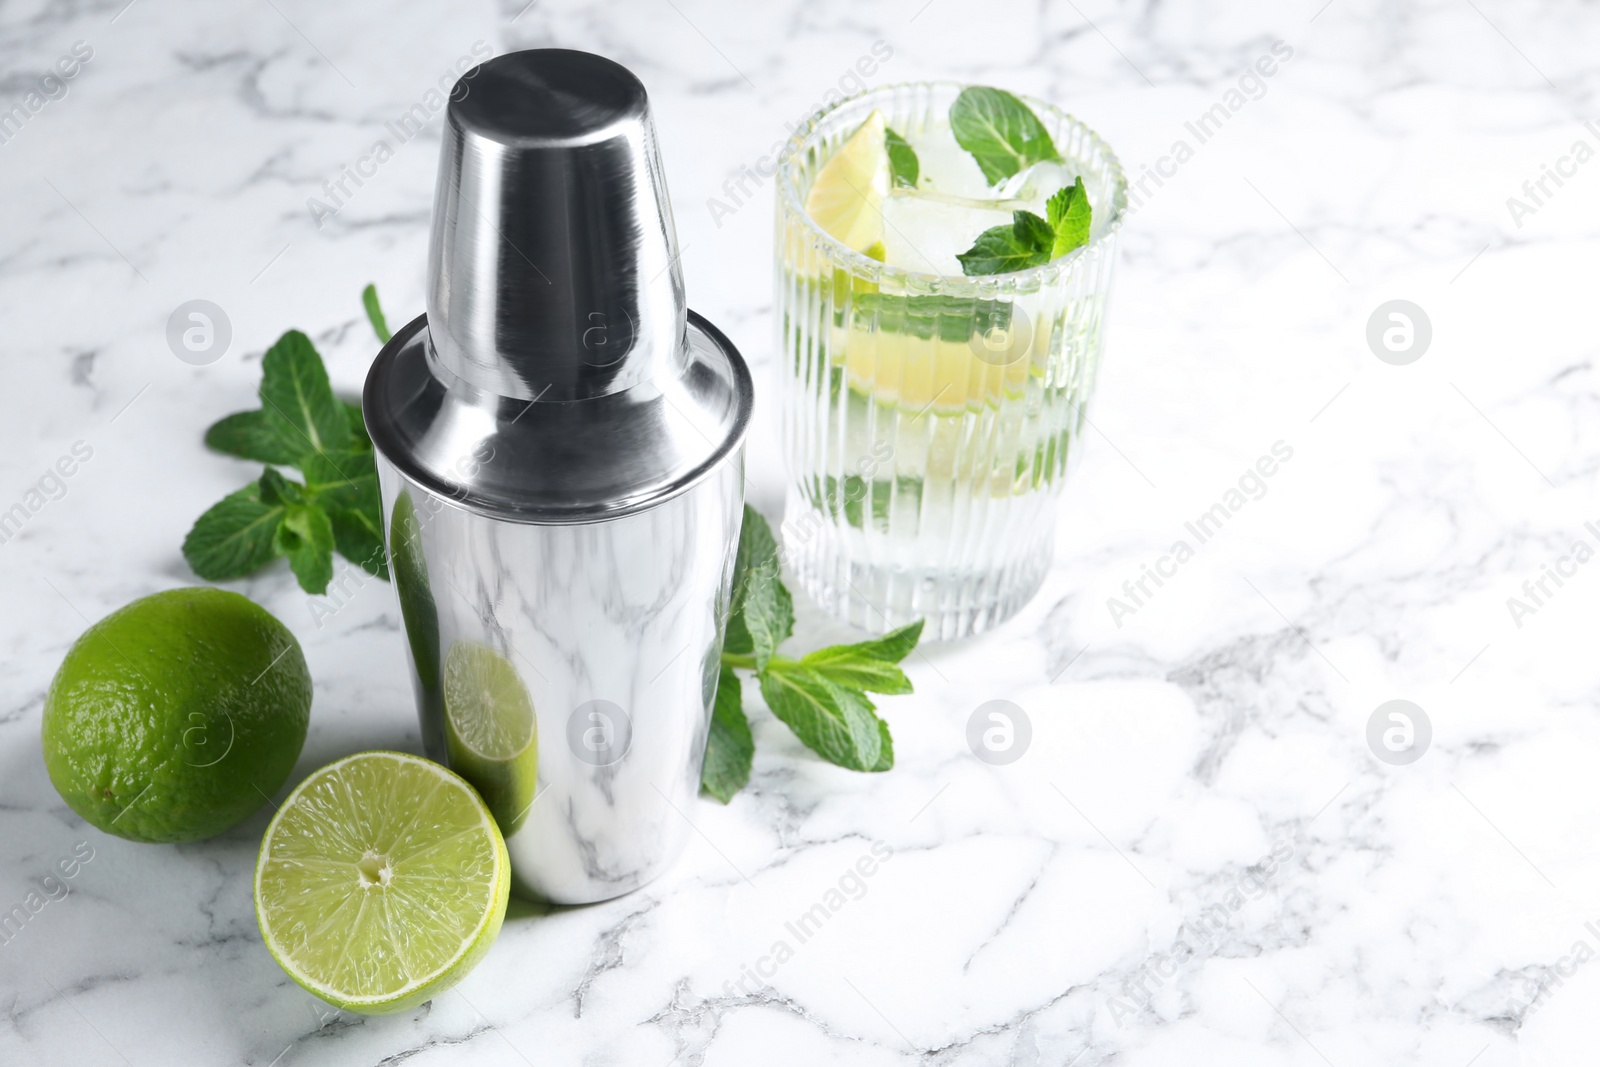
(1000, 131)
(301, 424)
(304, 533)
(297, 403)
(1000, 249)
(760, 611)
(729, 747)
(1069, 213)
(1031, 241)
(235, 536)
(822, 696)
(1005, 137)
(248, 435)
(836, 723)
(904, 169)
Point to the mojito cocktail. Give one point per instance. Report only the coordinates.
(944, 259)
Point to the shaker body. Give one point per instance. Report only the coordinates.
(559, 443)
(614, 630)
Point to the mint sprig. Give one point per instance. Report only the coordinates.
(822, 696)
(1031, 241)
(1004, 137)
(300, 424)
(1000, 131)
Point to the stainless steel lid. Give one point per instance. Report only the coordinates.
(558, 375)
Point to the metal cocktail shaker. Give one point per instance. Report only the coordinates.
(560, 457)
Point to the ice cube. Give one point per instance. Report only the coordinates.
(1035, 185)
(946, 166)
(924, 234)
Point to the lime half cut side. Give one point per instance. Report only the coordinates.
(381, 882)
(490, 732)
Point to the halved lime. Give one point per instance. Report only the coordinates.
(381, 882)
(846, 197)
(489, 730)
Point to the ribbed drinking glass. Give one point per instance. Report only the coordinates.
(929, 419)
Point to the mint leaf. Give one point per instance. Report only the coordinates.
(297, 400)
(359, 539)
(836, 723)
(358, 426)
(248, 435)
(768, 612)
(736, 639)
(347, 477)
(729, 746)
(868, 665)
(275, 489)
(885, 749)
(233, 537)
(904, 168)
(1001, 249)
(1002, 133)
(893, 646)
(306, 536)
(853, 672)
(1032, 231)
(1070, 215)
(761, 612)
(345, 485)
(369, 300)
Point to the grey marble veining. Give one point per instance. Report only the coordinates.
(1199, 860)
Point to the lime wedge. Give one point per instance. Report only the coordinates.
(489, 730)
(846, 198)
(381, 882)
(926, 375)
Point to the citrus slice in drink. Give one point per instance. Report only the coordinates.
(846, 198)
(927, 374)
(381, 882)
(489, 730)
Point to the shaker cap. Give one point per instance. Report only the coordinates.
(552, 268)
(558, 375)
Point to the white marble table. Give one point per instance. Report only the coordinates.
(1199, 860)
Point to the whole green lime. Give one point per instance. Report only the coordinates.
(177, 716)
